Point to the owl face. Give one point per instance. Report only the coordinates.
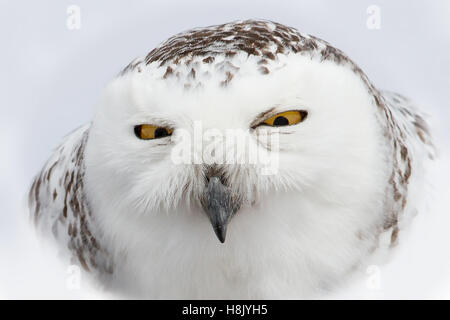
(325, 146)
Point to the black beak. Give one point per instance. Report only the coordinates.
(220, 205)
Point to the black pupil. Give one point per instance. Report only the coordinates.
(280, 121)
(137, 131)
(161, 132)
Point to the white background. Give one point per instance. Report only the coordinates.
(51, 77)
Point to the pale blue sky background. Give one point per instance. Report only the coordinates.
(51, 76)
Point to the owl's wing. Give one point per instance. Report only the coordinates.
(412, 148)
(411, 122)
(59, 207)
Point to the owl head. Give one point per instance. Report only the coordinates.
(176, 135)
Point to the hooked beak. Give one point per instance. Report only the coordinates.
(220, 206)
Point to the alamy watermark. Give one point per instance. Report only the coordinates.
(373, 21)
(373, 281)
(230, 146)
(73, 20)
(73, 280)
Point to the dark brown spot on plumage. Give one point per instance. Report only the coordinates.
(263, 61)
(94, 243)
(74, 205)
(55, 194)
(280, 50)
(421, 135)
(68, 191)
(295, 48)
(65, 210)
(377, 101)
(394, 236)
(407, 171)
(74, 230)
(230, 54)
(192, 73)
(390, 221)
(311, 45)
(264, 70)
(189, 61)
(331, 53)
(269, 55)
(50, 170)
(404, 152)
(228, 79)
(37, 188)
(249, 50)
(404, 203)
(38, 201)
(169, 71)
(82, 261)
(209, 59)
(295, 38)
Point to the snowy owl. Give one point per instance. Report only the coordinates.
(349, 160)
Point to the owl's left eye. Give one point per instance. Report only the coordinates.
(149, 131)
(287, 118)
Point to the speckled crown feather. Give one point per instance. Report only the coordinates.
(262, 40)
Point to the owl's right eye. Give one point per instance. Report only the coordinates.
(149, 131)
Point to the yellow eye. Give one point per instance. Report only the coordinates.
(287, 118)
(149, 131)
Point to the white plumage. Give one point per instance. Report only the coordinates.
(347, 175)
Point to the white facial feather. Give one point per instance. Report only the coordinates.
(341, 173)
